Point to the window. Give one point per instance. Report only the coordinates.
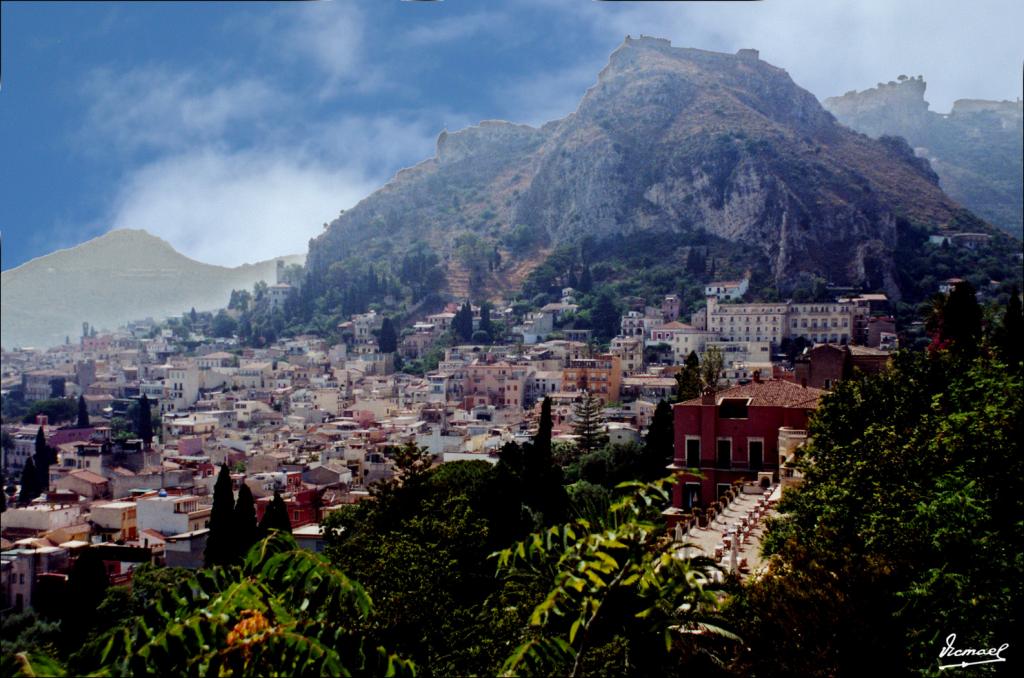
(724, 452)
(755, 452)
(693, 452)
(721, 489)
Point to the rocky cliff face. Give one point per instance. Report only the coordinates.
(672, 140)
(120, 276)
(976, 150)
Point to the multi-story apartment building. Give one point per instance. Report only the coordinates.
(600, 375)
(681, 338)
(637, 324)
(500, 384)
(821, 322)
(747, 322)
(630, 351)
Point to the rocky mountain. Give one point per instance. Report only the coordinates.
(671, 141)
(977, 149)
(120, 276)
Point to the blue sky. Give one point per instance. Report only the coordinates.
(235, 130)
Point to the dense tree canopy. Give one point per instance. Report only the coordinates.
(905, 529)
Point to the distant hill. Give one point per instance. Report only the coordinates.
(670, 142)
(120, 276)
(977, 149)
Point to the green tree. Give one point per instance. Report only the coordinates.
(144, 421)
(659, 446)
(688, 379)
(618, 602)
(87, 585)
(1009, 337)
(955, 321)
(275, 517)
(245, 531)
(588, 422)
(220, 542)
(485, 317)
(29, 483)
(83, 413)
(909, 501)
(387, 341)
(285, 611)
(462, 323)
(711, 367)
(542, 441)
(223, 325)
(605, 316)
(44, 457)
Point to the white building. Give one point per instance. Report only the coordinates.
(171, 515)
(727, 290)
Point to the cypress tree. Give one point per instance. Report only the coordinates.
(29, 483)
(659, 444)
(244, 526)
(276, 517)
(83, 413)
(145, 422)
(387, 342)
(542, 441)
(220, 541)
(485, 319)
(43, 457)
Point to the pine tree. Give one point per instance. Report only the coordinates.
(244, 528)
(29, 482)
(83, 413)
(220, 546)
(145, 422)
(276, 516)
(387, 341)
(589, 426)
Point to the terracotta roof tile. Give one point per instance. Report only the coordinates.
(772, 393)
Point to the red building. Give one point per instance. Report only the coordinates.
(303, 507)
(734, 434)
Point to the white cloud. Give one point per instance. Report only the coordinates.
(229, 208)
(234, 206)
(446, 30)
(153, 108)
